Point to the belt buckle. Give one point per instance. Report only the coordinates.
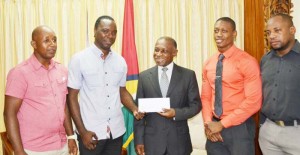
(280, 123)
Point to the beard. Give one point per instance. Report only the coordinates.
(282, 47)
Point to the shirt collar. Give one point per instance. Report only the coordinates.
(169, 66)
(37, 65)
(296, 47)
(228, 53)
(98, 52)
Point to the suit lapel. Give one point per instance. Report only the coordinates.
(153, 77)
(175, 79)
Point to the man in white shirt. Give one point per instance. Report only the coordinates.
(98, 75)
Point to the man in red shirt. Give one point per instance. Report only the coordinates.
(35, 113)
(232, 77)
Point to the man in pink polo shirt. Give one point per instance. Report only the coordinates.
(35, 113)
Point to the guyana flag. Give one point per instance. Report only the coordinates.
(130, 55)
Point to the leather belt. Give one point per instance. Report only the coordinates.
(287, 123)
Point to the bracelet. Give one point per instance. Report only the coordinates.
(72, 137)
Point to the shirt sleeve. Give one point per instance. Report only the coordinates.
(16, 85)
(252, 92)
(206, 95)
(124, 76)
(74, 73)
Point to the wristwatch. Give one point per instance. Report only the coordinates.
(72, 137)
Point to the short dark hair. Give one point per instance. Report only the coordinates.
(101, 18)
(229, 20)
(285, 17)
(169, 39)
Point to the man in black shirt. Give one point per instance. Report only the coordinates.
(280, 70)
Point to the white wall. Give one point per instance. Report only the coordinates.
(296, 18)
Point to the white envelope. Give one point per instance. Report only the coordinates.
(153, 104)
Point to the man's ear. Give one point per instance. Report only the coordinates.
(175, 53)
(33, 44)
(95, 31)
(293, 30)
(235, 34)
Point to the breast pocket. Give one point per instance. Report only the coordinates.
(116, 77)
(41, 88)
(93, 79)
(268, 72)
(62, 84)
(292, 76)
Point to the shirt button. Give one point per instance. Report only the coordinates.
(107, 95)
(105, 72)
(106, 84)
(108, 107)
(274, 99)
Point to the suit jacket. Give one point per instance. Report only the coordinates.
(158, 133)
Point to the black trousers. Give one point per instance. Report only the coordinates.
(238, 140)
(104, 147)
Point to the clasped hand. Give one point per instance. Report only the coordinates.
(213, 131)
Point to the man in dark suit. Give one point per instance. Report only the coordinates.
(167, 132)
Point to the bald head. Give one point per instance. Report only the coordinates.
(280, 32)
(285, 19)
(168, 39)
(38, 31)
(165, 50)
(44, 43)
